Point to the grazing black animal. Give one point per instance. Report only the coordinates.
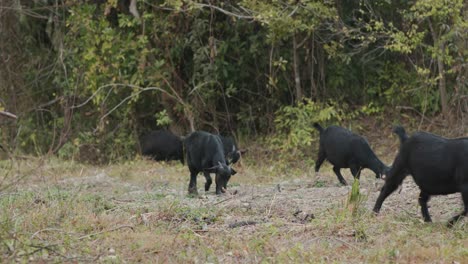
(438, 165)
(162, 145)
(231, 151)
(205, 153)
(344, 149)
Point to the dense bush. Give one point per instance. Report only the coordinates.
(91, 77)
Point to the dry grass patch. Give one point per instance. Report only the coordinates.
(140, 211)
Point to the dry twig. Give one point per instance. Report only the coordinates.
(107, 231)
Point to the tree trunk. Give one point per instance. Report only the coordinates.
(313, 61)
(297, 77)
(440, 67)
(442, 83)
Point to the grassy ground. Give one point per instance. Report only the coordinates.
(140, 211)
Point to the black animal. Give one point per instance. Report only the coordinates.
(438, 165)
(162, 145)
(205, 153)
(231, 151)
(344, 149)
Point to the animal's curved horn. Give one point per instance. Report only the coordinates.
(233, 172)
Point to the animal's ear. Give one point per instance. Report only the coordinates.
(233, 172)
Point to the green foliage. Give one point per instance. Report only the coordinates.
(163, 119)
(391, 85)
(354, 195)
(76, 74)
(294, 124)
(283, 19)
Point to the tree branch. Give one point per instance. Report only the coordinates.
(8, 114)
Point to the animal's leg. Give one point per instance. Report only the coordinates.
(320, 159)
(340, 177)
(356, 171)
(395, 177)
(465, 204)
(193, 183)
(219, 184)
(423, 199)
(208, 181)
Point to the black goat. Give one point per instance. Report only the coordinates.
(344, 149)
(162, 145)
(438, 165)
(205, 153)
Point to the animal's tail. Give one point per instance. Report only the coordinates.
(401, 133)
(318, 127)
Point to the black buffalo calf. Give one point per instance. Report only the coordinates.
(162, 145)
(205, 153)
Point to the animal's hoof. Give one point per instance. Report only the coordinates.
(193, 192)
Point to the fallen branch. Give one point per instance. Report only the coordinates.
(222, 201)
(242, 223)
(336, 239)
(48, 248)
(107, 231)
(49, 230)
(423, 116)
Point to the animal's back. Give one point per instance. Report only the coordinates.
(337, 144)
(200, 147)
(161, 144)
(433, 161)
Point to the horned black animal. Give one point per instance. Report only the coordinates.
(205, 153)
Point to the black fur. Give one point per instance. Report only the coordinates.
(401, 133)
(438, 165)
(162, 145)
(344, 149)
(231, 151)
